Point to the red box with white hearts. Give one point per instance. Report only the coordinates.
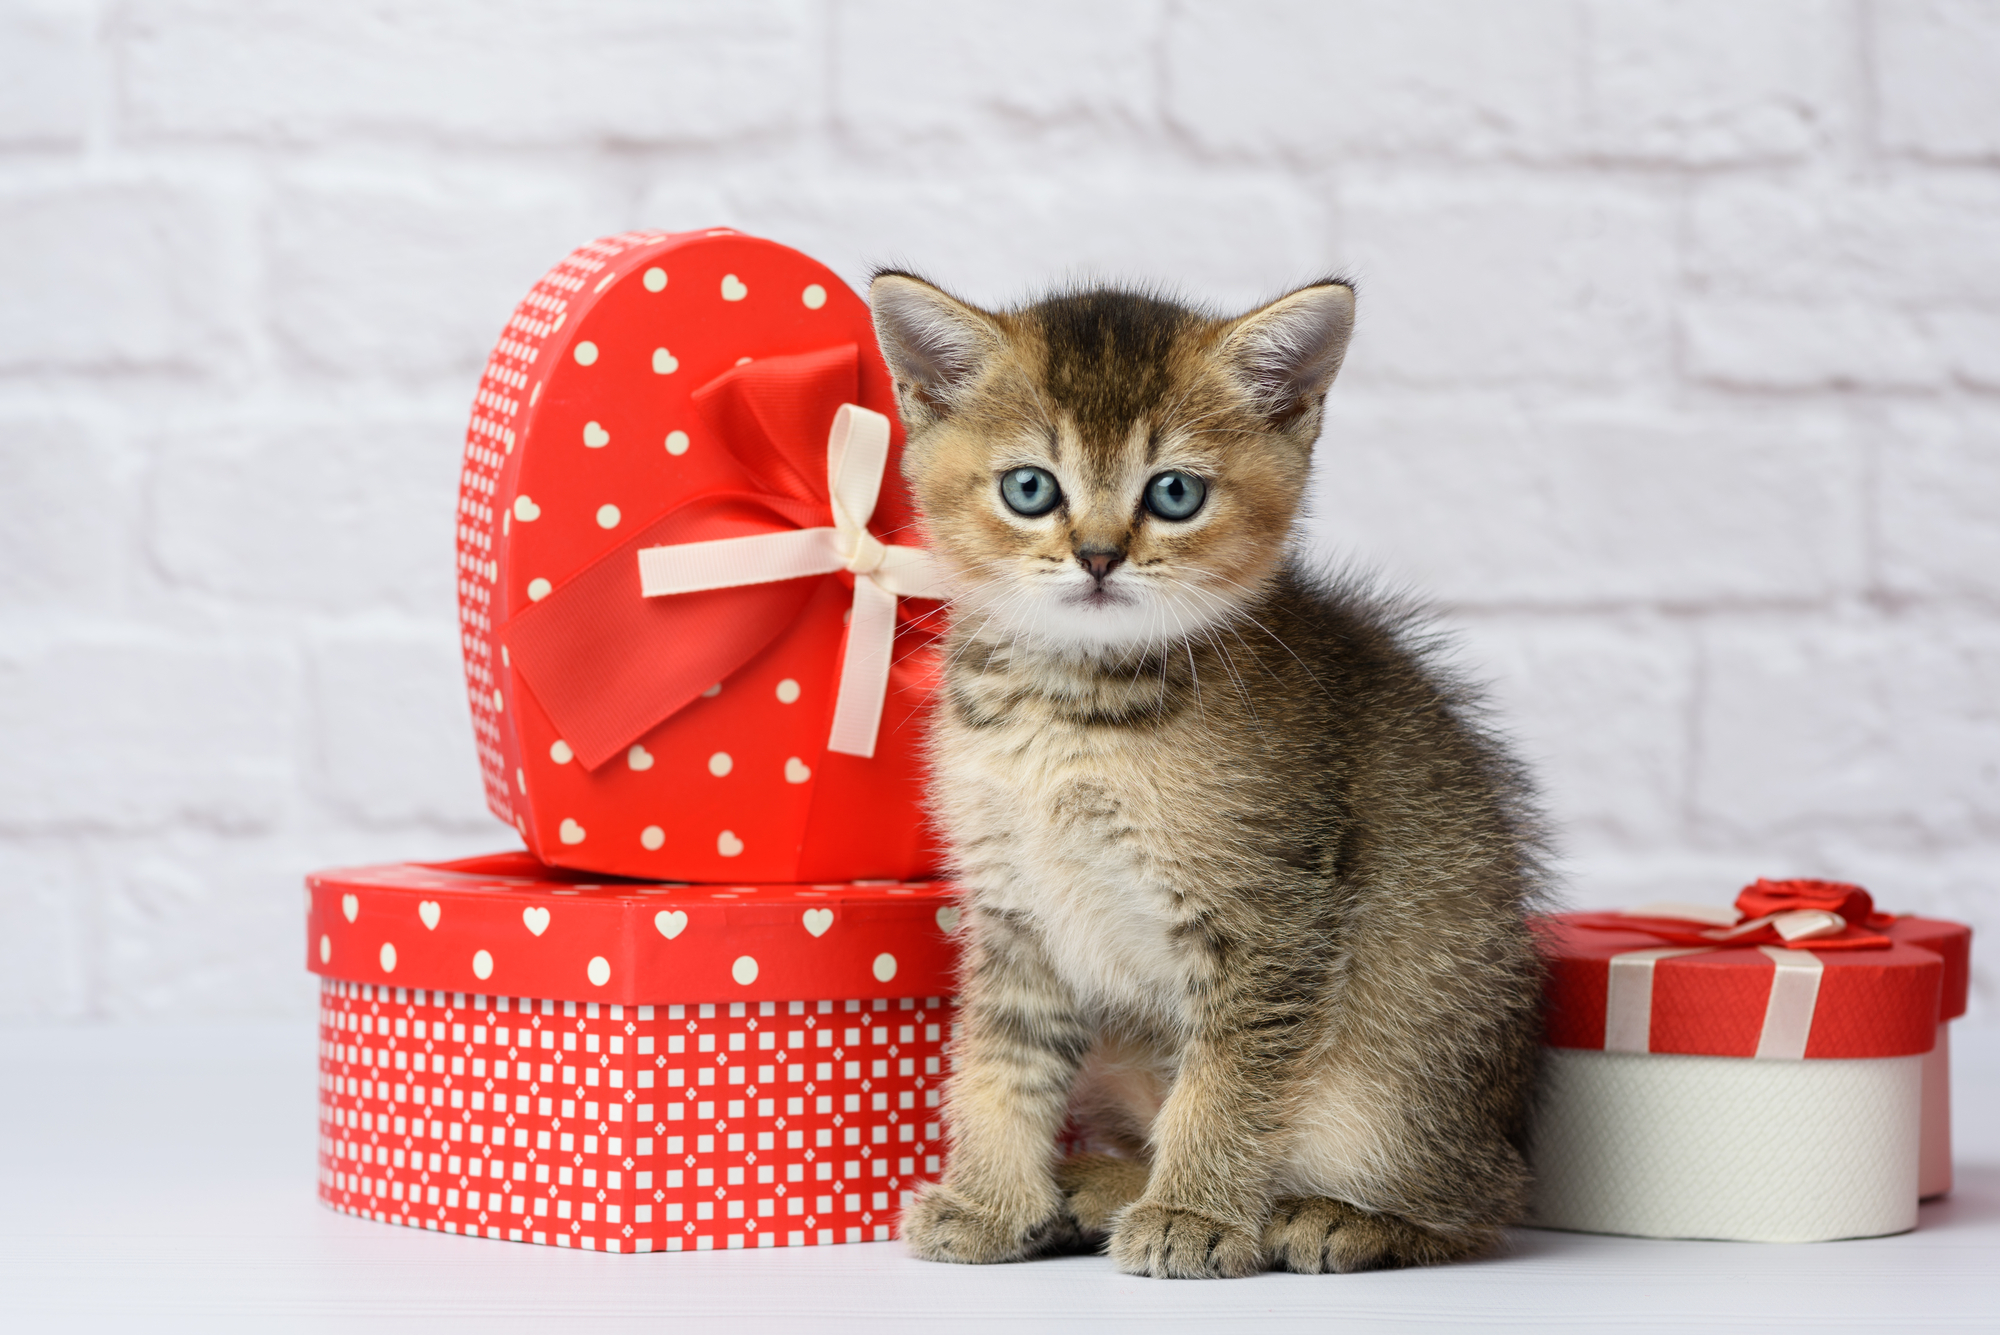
(518, 1052)
(674, 394)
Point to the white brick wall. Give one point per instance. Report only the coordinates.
(1678, 381)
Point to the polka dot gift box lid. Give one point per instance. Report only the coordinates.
(697, 629)
(522, 1052)
(507, 924)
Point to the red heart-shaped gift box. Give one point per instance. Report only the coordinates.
(671, 393)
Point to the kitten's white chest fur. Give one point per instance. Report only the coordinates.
(1067, 832)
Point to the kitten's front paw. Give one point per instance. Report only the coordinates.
(1166, 1243)
(944, 1224)
(1096, 1187)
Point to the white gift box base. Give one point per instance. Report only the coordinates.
(1669, 1145)
(1934, 1158)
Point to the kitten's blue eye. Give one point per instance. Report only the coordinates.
(1029, 491)
(1175, 495)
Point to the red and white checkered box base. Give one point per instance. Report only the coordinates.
(629, 1128)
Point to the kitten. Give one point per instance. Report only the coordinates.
(1244, 880)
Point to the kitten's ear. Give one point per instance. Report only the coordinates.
(1287, 353)
(934, 343)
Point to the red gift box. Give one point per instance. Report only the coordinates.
(694, 643)
(1778, 1072)
(514, 1051)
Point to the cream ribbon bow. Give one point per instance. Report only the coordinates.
(857, 450)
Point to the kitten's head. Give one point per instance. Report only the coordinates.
(1107, 472)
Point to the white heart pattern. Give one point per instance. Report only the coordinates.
(571, 832)
(733, 288)
(797, 771)
(526, 510)
(537, 919)
(429, 912)
(728, 844)
(671, 922)
(947, 920)
(350, 907)
(595, 436)
(818, 920)
(664, 362)
(639, 758)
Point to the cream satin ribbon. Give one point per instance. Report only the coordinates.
(1788, 1012)
(857, 450)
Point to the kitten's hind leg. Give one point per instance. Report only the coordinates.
(1096, 1187)
(1316, 1235)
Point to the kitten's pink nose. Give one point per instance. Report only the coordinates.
(1099, 561)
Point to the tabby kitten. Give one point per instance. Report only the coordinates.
(1244, 881)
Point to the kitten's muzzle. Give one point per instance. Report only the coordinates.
(1100, 561)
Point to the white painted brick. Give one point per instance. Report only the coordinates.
(997, 65)
(65, 515)
(1379, 77)
(1912, 240)
(1615, 877)
(129, 732)
(1935, 65)
(195, 924)
(203, 926)
(1602, 711)
(1791, 345)
(1968, 344)
(1227, 237)
(1714, 81)
(1496, 282)
(1822, 286)
(1885, 729)
(1592, 509)
(392, 737)
(252, 251)
(115, 275)
(413, 276)
(47, 70)
(624, 71)
(349, 514)
(1939, 504)
(46, 894)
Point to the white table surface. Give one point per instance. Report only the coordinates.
(161, 1179)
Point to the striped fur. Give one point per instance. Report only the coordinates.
(1245, 878)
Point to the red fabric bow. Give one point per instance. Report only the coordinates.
(609, 665)
(1761, 898)
(1762, 909)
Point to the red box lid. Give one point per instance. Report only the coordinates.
(1725, 1001)
(508, 925)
